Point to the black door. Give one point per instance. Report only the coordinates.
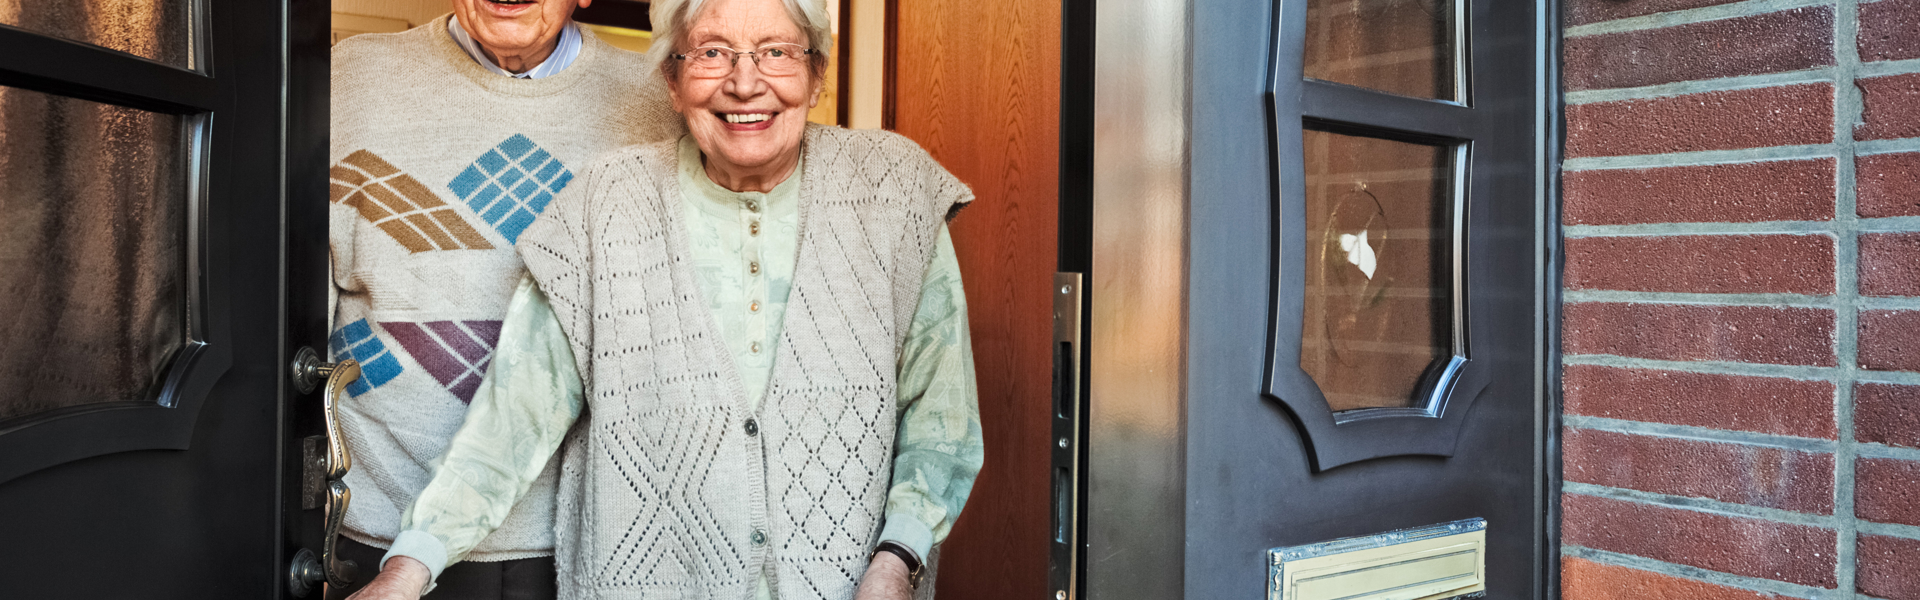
(1318, 276)
(161, 183)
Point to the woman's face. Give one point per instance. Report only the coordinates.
(747, 124)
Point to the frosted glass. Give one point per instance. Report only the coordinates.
(157, 30)
(1404, 47)
(93, 209)
(1379, 268)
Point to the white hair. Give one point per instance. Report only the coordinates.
(671, 18)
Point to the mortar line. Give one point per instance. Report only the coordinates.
(1882, 68)
(1699, 158)
(1703, 505)
(1757, 300)
(1702, 434)
(1873, 450)
(1890, 530)
(1824, 74)
(1688, 16)
(1847, 107)
(1697, 228)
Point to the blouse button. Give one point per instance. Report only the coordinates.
(753, 205)
(754, 348)
(754, 306)
(753, 228)
(753, 267)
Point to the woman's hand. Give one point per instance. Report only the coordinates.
(402, 578)
(886, 579)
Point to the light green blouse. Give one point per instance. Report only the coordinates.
(743, 250)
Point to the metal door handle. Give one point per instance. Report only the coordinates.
(332, 465)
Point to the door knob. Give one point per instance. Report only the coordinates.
(330, 465)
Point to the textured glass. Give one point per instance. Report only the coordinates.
(1379, 276)
(92, 251)
(1404, 47)
(158, 30)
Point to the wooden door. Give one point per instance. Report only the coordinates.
(978, 85)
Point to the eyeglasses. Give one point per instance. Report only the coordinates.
(774, 60)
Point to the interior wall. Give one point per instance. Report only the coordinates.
(978, 85)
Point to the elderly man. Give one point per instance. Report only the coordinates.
(447, 141)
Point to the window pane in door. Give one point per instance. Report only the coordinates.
(157, 30)
(93, 209)
(1404, 47)
(1379, 299)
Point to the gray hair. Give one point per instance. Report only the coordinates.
(671, 18)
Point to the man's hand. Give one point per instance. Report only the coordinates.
(886, 579)
(402, 579)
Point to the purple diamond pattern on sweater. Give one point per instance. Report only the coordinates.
(454, 352)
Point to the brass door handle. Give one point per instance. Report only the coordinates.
(329, 464)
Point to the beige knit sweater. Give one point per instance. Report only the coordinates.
(439, 165)
(672, 488)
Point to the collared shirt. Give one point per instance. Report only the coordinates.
(743, 247)
(562, 56)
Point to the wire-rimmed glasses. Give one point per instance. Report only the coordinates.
(774, 60)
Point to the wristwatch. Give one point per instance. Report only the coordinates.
(914, 568)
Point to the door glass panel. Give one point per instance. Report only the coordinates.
(157, 30)
(1404, 47)
(1379, 299)
(92, 251)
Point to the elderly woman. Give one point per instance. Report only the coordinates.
(748, 348)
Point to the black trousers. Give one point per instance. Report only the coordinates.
(523, 579)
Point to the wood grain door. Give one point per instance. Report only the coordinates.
(978, 84)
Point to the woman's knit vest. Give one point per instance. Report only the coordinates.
(670, 487)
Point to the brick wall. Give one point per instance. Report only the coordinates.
(1742, 319)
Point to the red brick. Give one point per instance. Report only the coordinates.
(1890, 340)
(1782, 190)
(1588, 580)
(1737, 473)
(1887, 490)
(1742, 546)
(1887, 30)
(1713, 264)
(1887, 567)
(1755, 334)
(1892, 108)
(1884, 413)
(1788, 40)
(1773, 405)
(1888, 184)
(1581, 12)
(1752, 118)
(1890, 264)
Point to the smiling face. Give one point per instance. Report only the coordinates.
(748, 125)
(516, 34)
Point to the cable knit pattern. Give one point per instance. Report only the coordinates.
(666, 491)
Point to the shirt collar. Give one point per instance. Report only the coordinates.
(563, 54)
(722, 202)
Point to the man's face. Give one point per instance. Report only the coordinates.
(515, 27)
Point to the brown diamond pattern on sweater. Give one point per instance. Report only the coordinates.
(399, 205)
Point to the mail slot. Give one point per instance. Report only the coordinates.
(1435, 562)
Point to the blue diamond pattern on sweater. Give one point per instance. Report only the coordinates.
(357, 341)
(510, 184)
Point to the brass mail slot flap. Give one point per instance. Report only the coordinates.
(1439, 561)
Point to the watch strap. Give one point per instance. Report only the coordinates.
(914, 567)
